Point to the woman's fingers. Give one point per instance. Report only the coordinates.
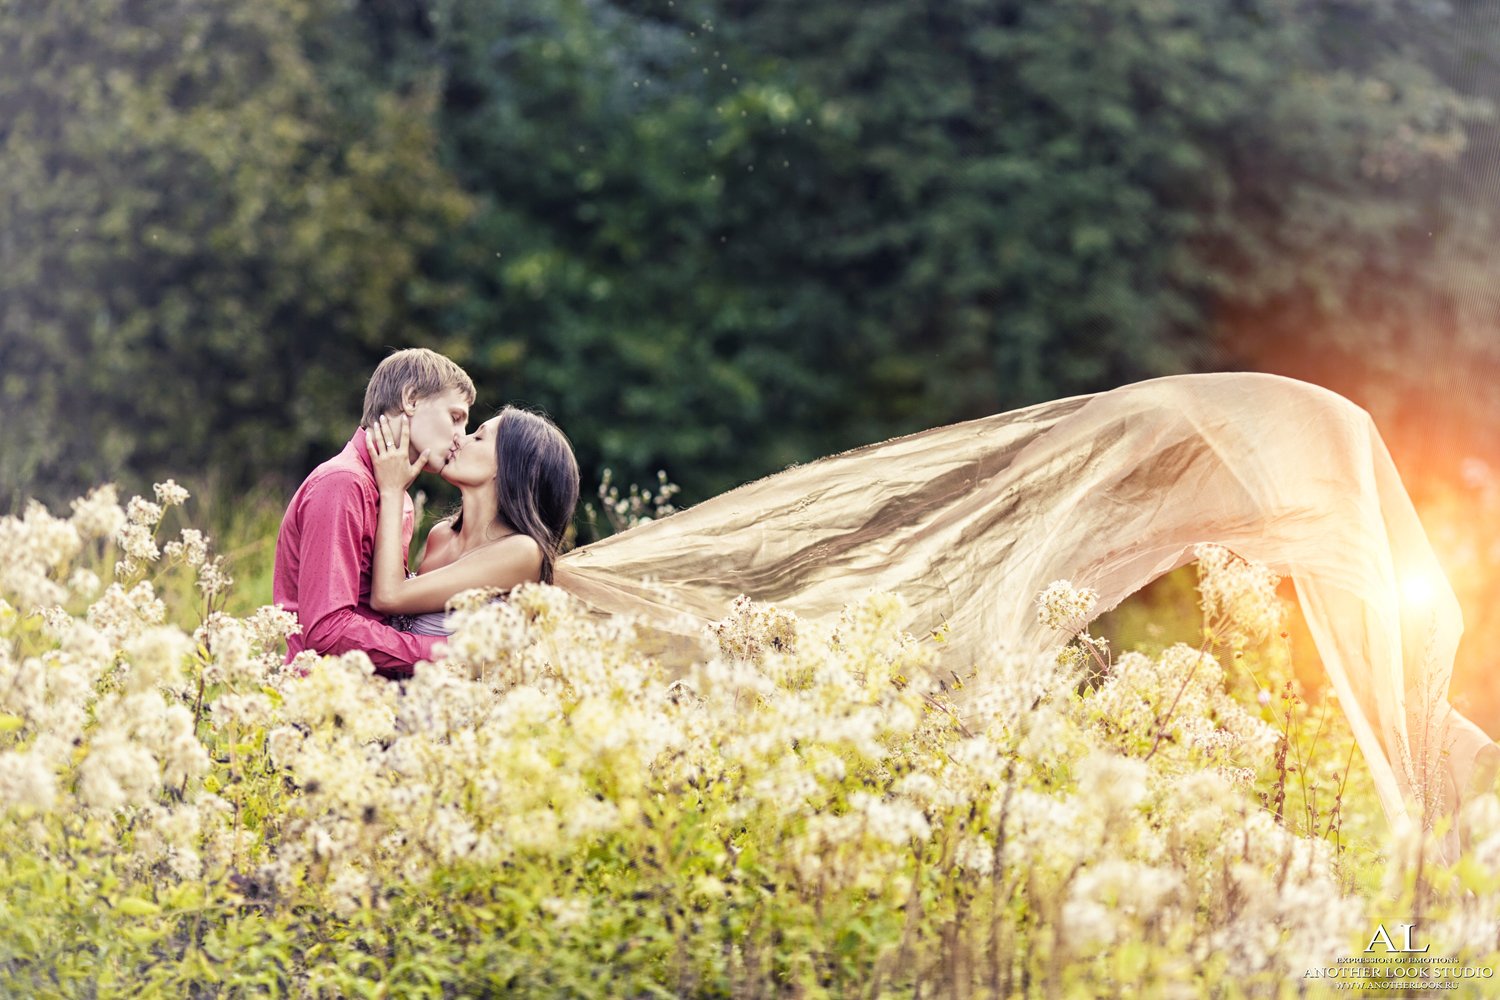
(384, 440)
(379, 438)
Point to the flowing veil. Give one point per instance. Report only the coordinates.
(1109, 490)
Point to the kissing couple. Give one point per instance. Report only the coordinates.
(966, 522)
(341, 553)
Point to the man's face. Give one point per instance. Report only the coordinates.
(437, 426)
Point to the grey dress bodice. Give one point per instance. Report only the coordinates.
(429, 623)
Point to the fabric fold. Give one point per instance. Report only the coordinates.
(1109, 490)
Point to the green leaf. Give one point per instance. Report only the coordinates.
(136, 907)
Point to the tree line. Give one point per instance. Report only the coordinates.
(719, 236)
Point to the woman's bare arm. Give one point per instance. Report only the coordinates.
(511, 561)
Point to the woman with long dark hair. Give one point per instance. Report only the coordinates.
(518, 481)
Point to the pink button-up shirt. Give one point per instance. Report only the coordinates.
(324, 553)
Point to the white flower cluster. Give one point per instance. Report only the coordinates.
(828, 752)
(638, 506)
(38, 550)
(169, 494)
(1024, 684)
(120, 614)
(213, 580)
(751, 629)
(137, 536)
(192, 548)
(98, 515)
(1237, 595)
(1114, 896)
(1180, 694)
(1065, 607)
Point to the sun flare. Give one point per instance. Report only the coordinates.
(1416, 590)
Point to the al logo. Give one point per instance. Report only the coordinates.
(1382, 935)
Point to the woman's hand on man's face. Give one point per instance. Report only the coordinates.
(390, 445)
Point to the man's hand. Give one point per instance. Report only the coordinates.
(388, 450)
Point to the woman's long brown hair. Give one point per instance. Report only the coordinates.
(536, 481)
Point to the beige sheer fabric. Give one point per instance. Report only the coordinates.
(968, 522)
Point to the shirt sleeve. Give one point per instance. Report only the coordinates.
(328, 583)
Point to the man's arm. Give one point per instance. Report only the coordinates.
(333, 532)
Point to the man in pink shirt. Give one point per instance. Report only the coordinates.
(325, 548)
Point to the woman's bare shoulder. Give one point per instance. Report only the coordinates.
(440, 548)
(521, 544)
(519, 553)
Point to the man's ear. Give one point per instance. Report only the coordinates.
(408, 401)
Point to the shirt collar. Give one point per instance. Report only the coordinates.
(361, 449)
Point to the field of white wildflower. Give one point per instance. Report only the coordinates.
(547, 813)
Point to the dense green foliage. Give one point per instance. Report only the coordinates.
(714, 236)
(203, 237)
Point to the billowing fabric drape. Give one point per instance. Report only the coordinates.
(1109, 490)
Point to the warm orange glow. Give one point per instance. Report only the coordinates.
(1437, 419)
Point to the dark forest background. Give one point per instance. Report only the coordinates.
(719, 237)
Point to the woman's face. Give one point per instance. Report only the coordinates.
(474, 464)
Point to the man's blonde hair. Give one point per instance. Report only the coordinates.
(426, 373)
